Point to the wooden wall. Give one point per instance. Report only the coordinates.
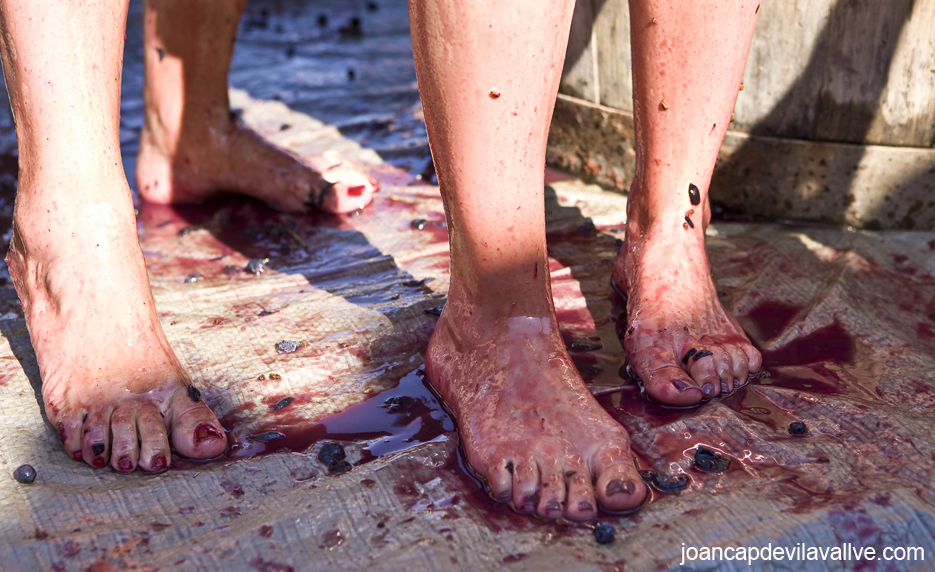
(829, 71)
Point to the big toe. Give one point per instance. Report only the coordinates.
(619, 487)
(348, 188)
(196, 432)
(670, 385)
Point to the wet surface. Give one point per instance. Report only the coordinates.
(380, 430)
(339, 448)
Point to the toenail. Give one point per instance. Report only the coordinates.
(97, 448)
(194, 394)
(725, 388)
(158, 463)
(707, 390)
(682, 385)
(701, 354)
(205, 432)
(505, 496)
(689, 354)
(585, 506)
(530, 502)
(617, 486)
(77, 456)
(552, 506)
(124, 464)
(99, 462)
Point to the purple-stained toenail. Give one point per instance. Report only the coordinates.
(725, 388)
(99, 462)
(617, 486)
(553, 506)
(585, 506)
(77, 456)
(707, 390)
(530, 502)
(505, 496)
(682, 385)
(206, 432)
(702, 354)
(97, 448)
(158, 463)
(124, 464)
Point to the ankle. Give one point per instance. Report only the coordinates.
(478, 311)
(165, 128)
(658, 209)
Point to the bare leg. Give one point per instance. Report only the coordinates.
(110, 381)
(191, 149)
(688, 60)
(488, 74)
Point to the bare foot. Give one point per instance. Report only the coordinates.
(110, 381)
(190, 168)
(529, 425)
(681, 342)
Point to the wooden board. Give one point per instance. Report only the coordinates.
(862, 186)
(858, 72)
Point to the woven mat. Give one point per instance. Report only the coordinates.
(846, 321)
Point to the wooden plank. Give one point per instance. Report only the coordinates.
(823, 70)
(863, 186)
(612, 32)
(906, 115)
(579, 76)
(783, 43)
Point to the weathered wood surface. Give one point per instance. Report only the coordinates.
(827, 70)
(863, 186)
(836, 122)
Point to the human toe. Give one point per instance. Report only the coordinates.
(347, 187)
(71, 431)
(754, 358)
(704, 371)
(552, 496)
(581, 504)
(526, 486)
(196, 432)
(724, 364)
(154, 441)
(739, 366)
(499, 475)
(619, 487)
(344, 197)
(672, 386)
(95, 441)
(125, 448)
